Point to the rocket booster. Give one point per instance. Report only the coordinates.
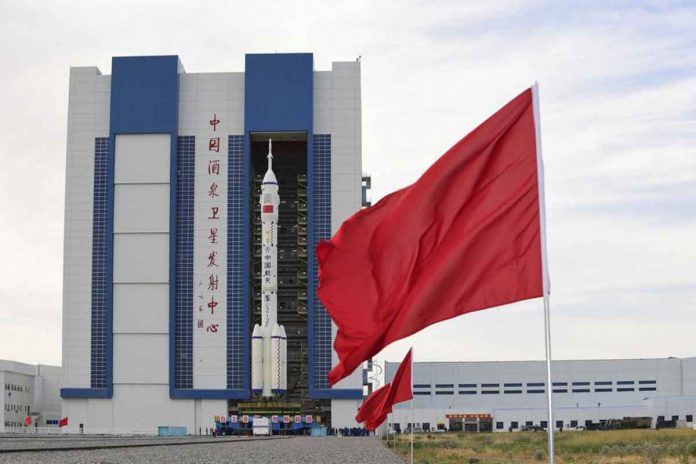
(268, 340)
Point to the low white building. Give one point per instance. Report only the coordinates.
(507, 395)
(29, 391)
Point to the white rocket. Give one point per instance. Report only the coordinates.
(268, 341)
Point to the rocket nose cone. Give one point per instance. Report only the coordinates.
(276, 331)
(282, 331)
(257, 331)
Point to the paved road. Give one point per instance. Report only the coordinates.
(304, 450)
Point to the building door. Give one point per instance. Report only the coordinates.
(455, 424)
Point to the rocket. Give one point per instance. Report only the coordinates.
(268, 340)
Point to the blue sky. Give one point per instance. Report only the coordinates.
(618, 109)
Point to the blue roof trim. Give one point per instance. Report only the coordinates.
(68, 393)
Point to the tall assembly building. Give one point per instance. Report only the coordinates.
(164, 265)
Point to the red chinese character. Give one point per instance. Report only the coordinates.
(214, 210)
(212, 238)
(211, 259)
(200, 323)
(214, 144)
(214, 167)
(214, 122)
(212, 191)
(212, 305)
(213, 282)
(212, 328)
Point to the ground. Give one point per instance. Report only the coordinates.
(291, 450)
(609, 447)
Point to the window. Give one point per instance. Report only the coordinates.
(421, 385)
(660, 418)
(536, 391)
(512, 385)
(647, 382)
(467, 385)
(580, 384)
(426, 426)
(603, 382)
(490, 392)
(581, 390)
(514, 425)
(559, 424)
(444, 385)
(499, 426)
(488, 385)
(421, 393)
(536, 384)
(689, 418)
(626, 382)
(467, 392)
(647, 389)
(514, 392)
(573, 423)
(602, 390)
(544, 424)
(529, 423)
(560, 390)
(625, 389)
(560, 384)
(449, 392)
(675, 418)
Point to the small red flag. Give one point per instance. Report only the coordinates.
(267, 208)
(27, 421)
(378, 405)
(63, 422)
(465, 236)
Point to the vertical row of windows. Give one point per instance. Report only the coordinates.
(321, 203)
(100, 220)
(237, 330)
(183, 308)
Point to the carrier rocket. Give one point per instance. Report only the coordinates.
(268, 341)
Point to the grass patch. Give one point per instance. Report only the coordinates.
(609, 447)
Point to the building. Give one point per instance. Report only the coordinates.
(29, 391)
(503, 396)
(163, 240)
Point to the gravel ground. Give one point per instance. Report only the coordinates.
(304, 450)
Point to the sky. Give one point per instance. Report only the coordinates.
(618, 119)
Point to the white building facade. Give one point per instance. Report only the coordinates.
(508, 395)
(159, 266)
(29, 391)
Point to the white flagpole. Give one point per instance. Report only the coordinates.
(413, 425)
(544, 268)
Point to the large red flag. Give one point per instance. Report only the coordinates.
(379, 404)
(63, 422)
(463, 237)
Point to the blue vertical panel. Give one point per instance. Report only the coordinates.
(185, 185)
(237, 258)
(279, 92)
(321, 203)
(99, 257)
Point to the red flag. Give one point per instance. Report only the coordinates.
(27, 421)
(378, 405)
(63, 422)
(463, 237)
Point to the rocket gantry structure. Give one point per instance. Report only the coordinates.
(268, 340)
